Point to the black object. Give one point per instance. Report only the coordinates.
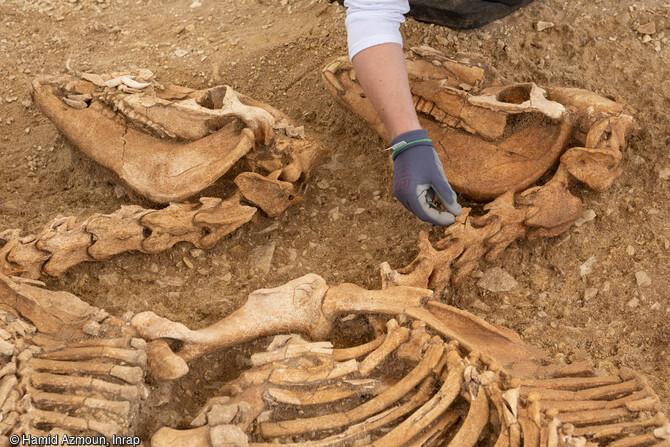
(462, 14)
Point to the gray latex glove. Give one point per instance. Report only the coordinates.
(418, 176)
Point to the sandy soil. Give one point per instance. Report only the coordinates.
(350, 222)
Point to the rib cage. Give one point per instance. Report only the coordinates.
(66, 382)
(411, 386)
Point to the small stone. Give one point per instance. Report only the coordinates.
(180, 53)
(91, 328)
(655, 306)
(643, 280)
(195, 4)
(590, 293)
(496, 279)
(178, 29)
(170, 282)
(197, 253)
(323, 184)
(542, 314)
(228, 436)
(441, 40)
(587, 216)
(664, 174)
(630, 250)
(633, 303)
(261, 257)
(587, 266)
(606, 286)
(188, 263)
(646, 39)
(227, 277)
(358, 211)
(647, 28)
(541, 25)
(481, 305)
(110, 279)
(334, 214)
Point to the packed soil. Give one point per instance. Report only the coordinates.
(349, 221)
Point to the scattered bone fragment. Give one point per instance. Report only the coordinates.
(541, 25)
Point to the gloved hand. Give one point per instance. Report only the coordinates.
(418, 176)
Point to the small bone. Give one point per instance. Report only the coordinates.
(323, 396)
(362, 412)
(394, 338)
(580, 418)
(428, 412)
(46, 380)
(474, 423)
(340, 355)
(597, 431)
(130, 374)
(40, 417)
(163, 363)
(125, 355)
(584, 368)
(130, 82)
(282, 376)
(537, 102)
(121, 408)
(75, 104)
(291, 351)
(572, 383)
(7, 384)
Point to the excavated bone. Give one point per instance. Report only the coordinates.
(66, 380)
(506, 386)
(65, 242)
(496, 139)
(166, 142)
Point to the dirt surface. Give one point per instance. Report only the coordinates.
(349, 222)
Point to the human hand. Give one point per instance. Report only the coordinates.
(418, 176)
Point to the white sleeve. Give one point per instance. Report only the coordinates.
(373, 22)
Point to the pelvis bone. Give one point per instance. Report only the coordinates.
(519, 145)
(167, 143)
(431, 374)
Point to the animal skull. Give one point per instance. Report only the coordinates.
(497, 141)
(167, 143)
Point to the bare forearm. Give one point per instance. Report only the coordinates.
(382, 72)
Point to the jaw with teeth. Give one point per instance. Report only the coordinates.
(167, 143)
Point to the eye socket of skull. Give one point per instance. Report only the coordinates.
(515, 94)
(212, 98)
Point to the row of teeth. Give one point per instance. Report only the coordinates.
(429, 108)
